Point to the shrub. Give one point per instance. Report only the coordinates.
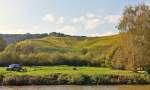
(147, 68)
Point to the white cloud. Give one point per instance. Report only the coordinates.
(60, 20)
(103, 34)
(91, 15)
(53, 19)
(67, 29)
(49, 18)
(92, 24)
(107, 33)
(112, 18)
(88, 21)
(79, 19)
(84, 18)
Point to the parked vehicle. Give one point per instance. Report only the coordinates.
(16, 67)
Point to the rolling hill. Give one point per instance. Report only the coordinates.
(62, 50)
(70, 43)
(13, 38)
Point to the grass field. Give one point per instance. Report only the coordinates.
(66, 75)
(45, 70)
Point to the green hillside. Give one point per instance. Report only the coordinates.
(70, 43)
(64, 50)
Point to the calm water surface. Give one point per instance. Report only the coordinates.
(64, 87)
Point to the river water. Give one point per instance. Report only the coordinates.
(72, 87)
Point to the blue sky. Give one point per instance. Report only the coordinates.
(75, 17)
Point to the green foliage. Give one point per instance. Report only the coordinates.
(147, 68)
(76, 51)
(8, 58)
(134, 52)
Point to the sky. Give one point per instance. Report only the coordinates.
(74, 17)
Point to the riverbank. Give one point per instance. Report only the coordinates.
(68, 75)
(77, 87)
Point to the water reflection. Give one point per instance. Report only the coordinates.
(64, 87)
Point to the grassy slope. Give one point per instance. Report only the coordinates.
(71, 43)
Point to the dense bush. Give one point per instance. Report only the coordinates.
(91, 58)
(76, 79)
(147, 68)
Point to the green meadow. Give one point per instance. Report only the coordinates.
(46, 70)
(70, 75)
